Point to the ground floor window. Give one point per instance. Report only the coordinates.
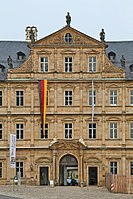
(19, 168)
(113, 167)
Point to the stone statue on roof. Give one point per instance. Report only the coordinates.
(102, 35)
(123, 61)
(68, 19)
(9, 61)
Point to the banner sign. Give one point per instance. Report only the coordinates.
(12, 151)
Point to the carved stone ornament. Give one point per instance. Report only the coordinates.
(42, 160)
(68, 144)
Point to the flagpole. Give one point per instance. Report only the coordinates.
(92, 105)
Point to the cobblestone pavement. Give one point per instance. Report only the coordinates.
(34, 192)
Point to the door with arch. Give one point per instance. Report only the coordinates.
(68, 170)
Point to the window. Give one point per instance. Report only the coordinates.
(20, 55)
(131, 130)
(113, 167)
(19, 98)
(68, 38)
(45, 134)
(0, 169)
(47, 98)
(111, 56)
(68, 130)
(113, 130)
(19, 131)
(0, 98)
(92, 64)
(19, 168)
(90, 97)
(44, 64)
(0, 131)
(113, 97)
(68, 64)
(131, 168)
(68, 98)
(131, 97)
(92, 131)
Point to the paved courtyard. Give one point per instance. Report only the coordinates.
(71, 192)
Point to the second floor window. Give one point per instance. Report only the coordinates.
(19, 168)
(131, 97)
(68, 130)
(92, 64)
(19, 131)
(90, 97)
(113, 130)
(113, 167)
(44, 64)
(92, 131)
(68, 98)
(0, 131)
(113, 97)
(44, 135)
(68, 64)
(0, 98)
(19, 98)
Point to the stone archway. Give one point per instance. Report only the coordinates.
(68, 170)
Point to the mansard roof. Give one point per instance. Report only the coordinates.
(122, 48)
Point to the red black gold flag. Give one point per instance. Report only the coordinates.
(43, 99)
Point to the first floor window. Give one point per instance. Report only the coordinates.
(92, 130)
(0, 131)
(19, 131)
(0, 98)
(92, 98)
(68, 130)
(0, 169)
(131, 130)
(45, 133)
(113, 167)
(113, 130)
(131, 168)
(68, 98)
(19, 168)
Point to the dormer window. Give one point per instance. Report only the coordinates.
(111, 56)
(20, 56)
(1, 68)
(131, 68)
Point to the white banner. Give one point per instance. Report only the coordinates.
(12, 151)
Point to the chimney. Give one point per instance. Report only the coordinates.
(31, 34)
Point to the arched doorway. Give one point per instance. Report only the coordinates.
(68, 170)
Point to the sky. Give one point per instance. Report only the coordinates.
(88, 16)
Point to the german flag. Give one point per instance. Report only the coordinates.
(43, 99)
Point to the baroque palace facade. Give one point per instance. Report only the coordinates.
(80, 141)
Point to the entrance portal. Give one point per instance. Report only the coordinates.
(92, 175)
(43, 175)
(68, 170)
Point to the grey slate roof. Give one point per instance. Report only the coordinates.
(122, 48)
(12, 48)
